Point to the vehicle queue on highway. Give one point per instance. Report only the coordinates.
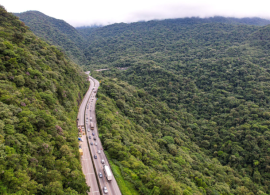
(106, 180)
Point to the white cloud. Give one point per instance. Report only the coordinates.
(89, 12)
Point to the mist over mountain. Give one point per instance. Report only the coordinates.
(74, 41)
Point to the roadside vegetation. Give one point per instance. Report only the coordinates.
(125, 186)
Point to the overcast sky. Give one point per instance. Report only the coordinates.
(91, 12)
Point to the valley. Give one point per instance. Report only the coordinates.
(171, 107)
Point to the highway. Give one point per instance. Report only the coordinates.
(86, 161)
(87, 110)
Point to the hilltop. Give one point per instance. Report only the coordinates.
(56, 32)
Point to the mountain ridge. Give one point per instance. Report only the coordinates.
(57, 32)
(75, 41)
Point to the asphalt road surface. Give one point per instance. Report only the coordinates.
(87, 110)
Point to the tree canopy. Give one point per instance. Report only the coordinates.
(40, 90)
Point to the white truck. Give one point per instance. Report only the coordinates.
(107, 172)
(92, 125)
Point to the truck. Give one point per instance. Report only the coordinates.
(81, 151)
(92, 125)
(107, 172)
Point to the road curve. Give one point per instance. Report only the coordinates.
(112, 186)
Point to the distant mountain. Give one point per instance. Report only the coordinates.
(181, 21)
(121, 44)
(57, 32)
(78, 42)
(249, 21)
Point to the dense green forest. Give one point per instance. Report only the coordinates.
(151, 144)
(40, 90)
(168, 42)
(224, 84)
(198, 121)
(119, 44)
(56, 32)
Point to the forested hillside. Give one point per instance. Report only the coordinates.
(120, 43)
(39, 95)
(151, 144)
(224, 85)
(168, 42)
(57, 32)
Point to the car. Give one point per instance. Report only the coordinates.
(91, 143)
(96, 143)
(102, 161)
(93, 134)
(89, 137)
(88, 129)
(99, 151)
(80, 146)
(95, 156)
(100, 175)
(105, 190)
(86, 117)
(77, 119)
(90, 118)
(95, 138)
